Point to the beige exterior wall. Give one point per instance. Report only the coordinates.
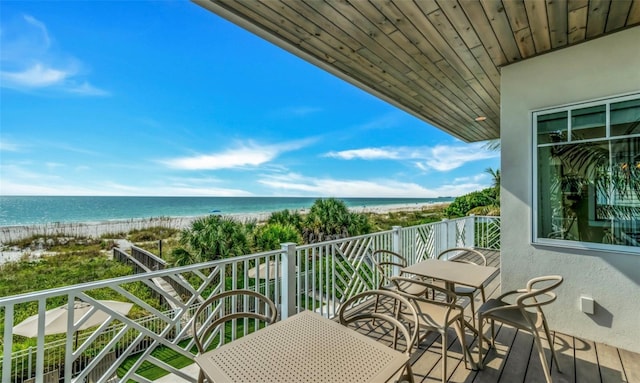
(601, 68)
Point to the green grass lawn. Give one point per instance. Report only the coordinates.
(174, 359)
(151, 371)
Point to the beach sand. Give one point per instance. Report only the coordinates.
(10, 234)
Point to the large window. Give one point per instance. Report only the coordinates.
(588, 175)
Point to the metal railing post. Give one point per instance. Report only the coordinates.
(8, 341)
(396, 240)
(469, 231)
(442, 238)
(452, 240)
(396, 245)
(288, 307)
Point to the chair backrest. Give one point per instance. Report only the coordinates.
(456, 252)
(442, 297)
(360, 309)
(387, 263)
(535, 296)
(225, 307)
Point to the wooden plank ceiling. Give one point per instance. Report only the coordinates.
(439, 60)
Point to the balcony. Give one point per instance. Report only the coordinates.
(156, 334)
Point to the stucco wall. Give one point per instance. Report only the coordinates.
(605, 67)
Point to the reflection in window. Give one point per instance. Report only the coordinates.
(589, 188)
(588, 123)
(552, 127)
(625, 118)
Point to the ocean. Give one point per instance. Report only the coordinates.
(34, 210)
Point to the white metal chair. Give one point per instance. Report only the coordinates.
(224, 307)
(524, 313)
(357, 311)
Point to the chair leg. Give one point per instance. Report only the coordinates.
(409, 373)
(543, 360)
(473, 308)
(493, 334)
(551, 345)
(459, 326)
(480, 341)
(482, 294)
(444, 355)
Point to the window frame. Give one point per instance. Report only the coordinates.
(568, 108)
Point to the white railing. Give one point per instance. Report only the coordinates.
(309, 277)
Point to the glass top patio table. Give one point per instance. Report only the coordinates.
(303, 348)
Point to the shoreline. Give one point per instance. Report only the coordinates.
(97, 229)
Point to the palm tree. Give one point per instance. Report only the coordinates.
(330, 219)
(271, 235)
(493, 145)
(212, 237)
(286, 217)
(495, 174)
(491, 194)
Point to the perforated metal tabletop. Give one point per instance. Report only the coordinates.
(454, 272)
(303, 348)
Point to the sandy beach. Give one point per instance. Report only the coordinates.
(10, 234)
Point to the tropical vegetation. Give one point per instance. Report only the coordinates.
(482, 202)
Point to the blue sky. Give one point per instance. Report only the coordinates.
(166, 98)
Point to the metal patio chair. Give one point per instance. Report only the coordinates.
(525, 313)
(210, 318)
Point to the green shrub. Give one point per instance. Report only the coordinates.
(331, 219)
(461, 206)
(151, 234)
(270, 236)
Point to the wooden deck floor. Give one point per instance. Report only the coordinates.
(516, 360)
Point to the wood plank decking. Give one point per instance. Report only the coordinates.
(516, 360)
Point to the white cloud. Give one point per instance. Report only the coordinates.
(44, 33)
(478, 178)
(87, 89)
(8, 146)
(30, 61)
(53, 165)
(440, 158)
(388, 121)
(19, 180)
(36, 76)
(295, 184)
(234, 158)
(243, 155)
(186, 190)
(444, 158)
(366, 154)
(297, 111)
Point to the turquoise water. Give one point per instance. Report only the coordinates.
(30, 210)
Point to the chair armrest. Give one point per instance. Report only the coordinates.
(449, 294)
(513, 292)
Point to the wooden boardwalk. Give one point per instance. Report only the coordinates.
(515, 359)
